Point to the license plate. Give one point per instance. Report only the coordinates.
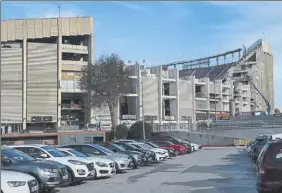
(65, 177)
(34, 188)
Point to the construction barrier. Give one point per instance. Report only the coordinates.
(241, 142)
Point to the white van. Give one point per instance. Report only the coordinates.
(15, 182)
(274, 137)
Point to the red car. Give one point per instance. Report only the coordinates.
(167, 144)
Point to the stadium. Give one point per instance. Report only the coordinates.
(173, 95)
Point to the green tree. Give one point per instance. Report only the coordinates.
(276, 111)
(136, 130)
(121, 131)
(105, 82)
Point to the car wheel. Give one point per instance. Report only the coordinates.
(49, 189)
(95, 174)
(70, 178)
(117, 170)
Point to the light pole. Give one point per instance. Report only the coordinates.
(142, 95)
(143, 121)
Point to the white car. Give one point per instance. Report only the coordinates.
(78, 168)
(16, 182)
(195, 147)
(161, 154)
(104, 167)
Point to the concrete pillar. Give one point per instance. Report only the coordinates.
(139, 92)
(24, 107)
(232, 108)
(193, 126)
(160, 87)
(89, 112)
(207, 82)
(177, 98)
(59, 73)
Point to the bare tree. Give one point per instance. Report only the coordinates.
(106, 81)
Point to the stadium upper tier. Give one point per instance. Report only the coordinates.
(212, 72)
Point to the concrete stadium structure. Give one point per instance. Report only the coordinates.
(41, 61)
(176, 99)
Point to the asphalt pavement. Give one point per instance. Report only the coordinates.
(210, 170)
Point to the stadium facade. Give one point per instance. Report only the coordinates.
(41, 61)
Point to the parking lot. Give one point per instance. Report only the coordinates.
(211, 170)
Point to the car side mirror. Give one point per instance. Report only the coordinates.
(43, 155)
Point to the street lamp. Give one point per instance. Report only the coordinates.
(142, 102)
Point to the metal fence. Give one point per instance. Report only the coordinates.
(171, 127)
(248, 124)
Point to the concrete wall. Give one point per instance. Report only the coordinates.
(20, 29)
(79, 138)
(42, 84)
(11, 84)
(202, 138)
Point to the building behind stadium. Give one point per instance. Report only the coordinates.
(41, 61)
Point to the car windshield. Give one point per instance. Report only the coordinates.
(118, 147)
(105, 150)
(53, 151)
(152, 144)
(136, 146)
(146, 146)
(17, 155)
(77, 153)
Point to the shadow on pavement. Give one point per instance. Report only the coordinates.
(236, 174)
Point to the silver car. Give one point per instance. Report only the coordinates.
(122, 161)
(49, 174)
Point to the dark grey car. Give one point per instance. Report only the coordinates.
(49, 174)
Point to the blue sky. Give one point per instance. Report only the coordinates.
(162, 32)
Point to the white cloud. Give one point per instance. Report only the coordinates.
(255, 20)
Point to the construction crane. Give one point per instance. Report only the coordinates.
(248, 79)
(268, 106)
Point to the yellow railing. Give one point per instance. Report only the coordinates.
(241, 142)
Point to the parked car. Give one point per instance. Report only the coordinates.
(17, 182)
(122, 162)
(181, 149)
(49, 174)
(171, 151)
(257, 147)
(175, 141)
(78, 169)
(103, 167)
(150, 155)
(269, 168)
(249, 145)
(275, 136)
(161, 154)
(194, 146)
(137, 157)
